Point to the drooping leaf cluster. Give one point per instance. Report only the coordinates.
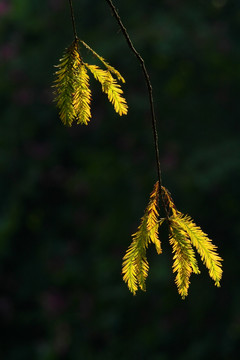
(184, 234)
(135, 264)
(72, 89)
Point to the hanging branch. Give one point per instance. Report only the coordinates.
(150, 94)
(73, 98)
(183, 232)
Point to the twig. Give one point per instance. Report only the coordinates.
(73, 20)
(150, 93)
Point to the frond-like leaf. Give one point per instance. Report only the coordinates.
(135, 264)
(152, 218)
(65, 83)
(109, 67)
(99, 74)
(73, 94)
(203, 245)
(82, 96)
(114, 91)
(111, 88)
(184, 258)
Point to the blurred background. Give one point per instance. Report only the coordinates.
(72, 197)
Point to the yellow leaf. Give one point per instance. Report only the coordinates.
(65, 83)
(135, 264)
(111, 88)
(82, 96)
(184, 258)
(203, 245)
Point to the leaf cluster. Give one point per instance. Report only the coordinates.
(184, 235)
(72, 89)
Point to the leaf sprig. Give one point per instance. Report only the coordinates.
(135, 264)
(72, 89)
(184, 234)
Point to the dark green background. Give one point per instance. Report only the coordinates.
(71, 197)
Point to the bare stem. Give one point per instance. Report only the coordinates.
(73, 20)
(150, 93)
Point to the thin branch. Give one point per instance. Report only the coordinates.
(150, 93)
(73, 20)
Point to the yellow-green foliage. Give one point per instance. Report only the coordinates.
(67, 79)
(203, 245)
(135, 264)
(184, 258)
(73, 98)
(82, 96)
(184, 234)
(72, 89)
(111, 88)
